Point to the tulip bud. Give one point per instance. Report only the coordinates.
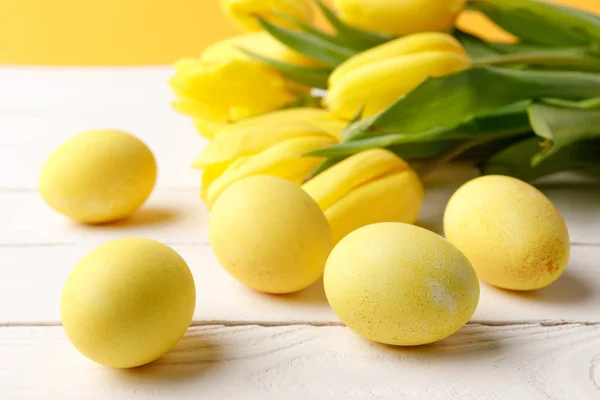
(378, 77)
(228, 89)
(400, 17)
(243, 12)
(271, 144)
(225, 84)
(369, 187)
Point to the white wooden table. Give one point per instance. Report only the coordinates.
(243, 344)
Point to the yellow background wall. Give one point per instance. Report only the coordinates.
(126, 32)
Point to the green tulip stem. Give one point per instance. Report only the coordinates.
(583, 62)
(449, 155)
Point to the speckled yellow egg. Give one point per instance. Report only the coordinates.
(98, 176)
(400, 284)
(270, 235)
(128, 302)
(512, 234)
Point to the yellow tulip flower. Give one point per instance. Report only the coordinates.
(225, 84)
(378, 77)
(243, 12)
(271, 144)
(369, 187)
(400, 17)
(228, 89)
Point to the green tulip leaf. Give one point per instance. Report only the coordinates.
(517, 54)
(309, 44)
(476, 47)
(589, 104)
(574, 59)
(508, 122)
(515, 160)
(303, 100)
(563, 127)
(308, 76)
(542, 23)
(578, 58)
(421, 151)
(361, 39)
(307, 28)
(455, 99)
(325, 165)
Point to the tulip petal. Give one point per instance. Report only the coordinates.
(377, 86)
(207, 128)
(400, 17)
(394, 198)
(230, 89)
(283, 160)
(209, 175)
(252, 140)
(313, 116)
(417, 43)
(191, 107)
(338, 181)
(253, 135)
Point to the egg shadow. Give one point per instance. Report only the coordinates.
(469, 343)
(192, 357)
(569, 179)
(314, 294)
(144, 217)
(568, 289)
(433, 225)
(149, 216)
(432, 213)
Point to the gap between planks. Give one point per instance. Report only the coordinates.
(317, 324)
(180, 243)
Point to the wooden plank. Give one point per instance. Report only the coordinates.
(32, 277)
(172, 216)
(29, 140)
(72, 90)
(179, 216)
(528, 362)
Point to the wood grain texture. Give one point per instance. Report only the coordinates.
(29, 139)
(523, 349)
(69, 91)
(32, 277)
(179, 216)
(175, 145)
(526, 362)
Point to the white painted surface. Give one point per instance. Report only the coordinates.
(305, 362)
(541, 345)
(31, 279)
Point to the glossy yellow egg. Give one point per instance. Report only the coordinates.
(128, 302)
(512, 234)
(399, 284)
(270, 235)
(98, 176)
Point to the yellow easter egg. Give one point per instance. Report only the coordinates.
(399, 284)
(512, 234)
(270, 235)
(98, 176)
(128, 302)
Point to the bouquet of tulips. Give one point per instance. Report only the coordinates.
(389, 91)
